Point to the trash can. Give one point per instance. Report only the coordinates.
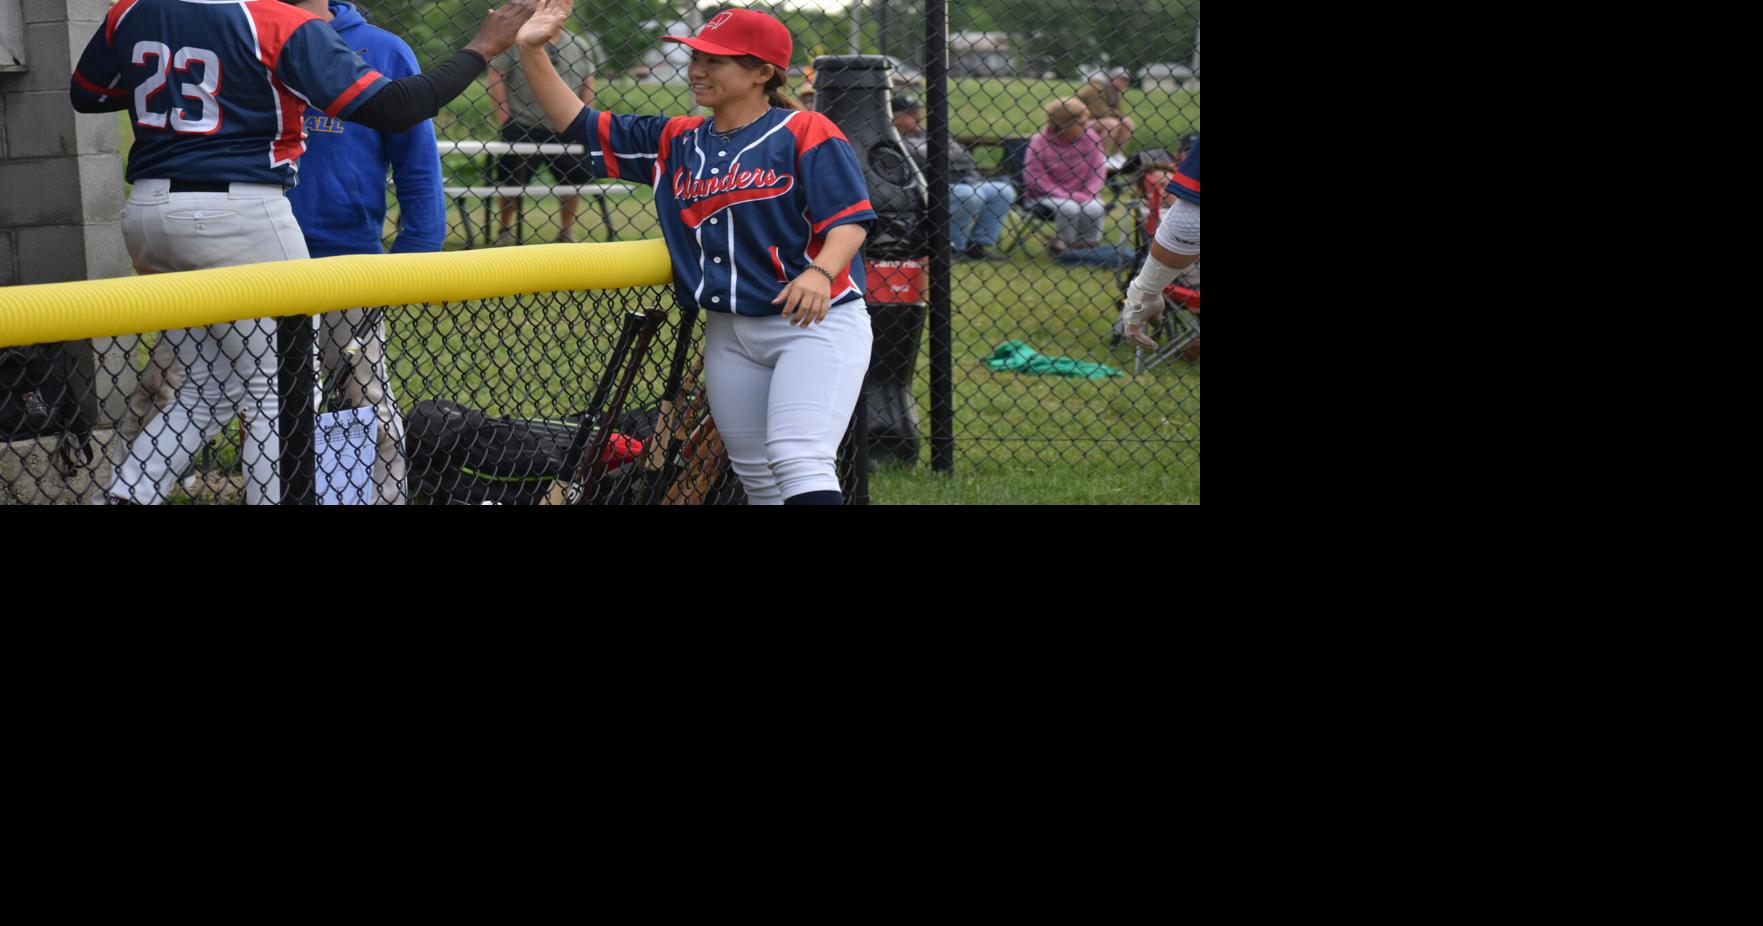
(854, 91)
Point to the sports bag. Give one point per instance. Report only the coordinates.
(38, 399)
(461, 456)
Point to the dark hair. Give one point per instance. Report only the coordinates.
(774, 88)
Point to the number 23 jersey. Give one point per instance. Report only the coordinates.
(218, 88)
(743, 213)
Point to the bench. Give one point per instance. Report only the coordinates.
(599, 191)
(494, 149)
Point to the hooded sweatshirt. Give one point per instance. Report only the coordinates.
(341, 199)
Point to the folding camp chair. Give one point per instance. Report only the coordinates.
(1015, 156)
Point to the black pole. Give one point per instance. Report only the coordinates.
(295, 382)
(942, 343)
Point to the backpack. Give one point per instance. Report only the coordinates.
(38, 399)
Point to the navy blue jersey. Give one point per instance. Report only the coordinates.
(1186, 182)
(217, 88)
(743, 213)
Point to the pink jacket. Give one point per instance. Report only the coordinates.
(1073, 171)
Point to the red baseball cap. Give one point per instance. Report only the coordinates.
(742, 32)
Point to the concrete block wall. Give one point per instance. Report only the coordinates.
(61, 194)
(60, 172)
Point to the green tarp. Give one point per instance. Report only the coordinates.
(1017, 356)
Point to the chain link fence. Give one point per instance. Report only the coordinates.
(494, 401)
(1041, 381)
(1042, 238)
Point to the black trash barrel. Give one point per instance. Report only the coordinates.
(854, 92)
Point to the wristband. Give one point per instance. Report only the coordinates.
(824, 272)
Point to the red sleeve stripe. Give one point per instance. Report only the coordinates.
(114, 19)
(94, 89)
(811, 131)
(677, 126)
(1183, 180)
(606, 146)
(336, 108)
(860, 207)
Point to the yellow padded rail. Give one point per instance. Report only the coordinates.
(105, 308)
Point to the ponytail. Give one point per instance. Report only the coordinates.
(780, 99)
(774, 88)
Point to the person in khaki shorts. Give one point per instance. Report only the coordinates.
(576, 58)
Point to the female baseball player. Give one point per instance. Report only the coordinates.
(763, 207)
(1176, 248)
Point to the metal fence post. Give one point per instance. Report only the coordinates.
(942, 364)
(295, 382)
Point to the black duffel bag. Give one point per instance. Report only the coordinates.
(461, 456)
(38, 399)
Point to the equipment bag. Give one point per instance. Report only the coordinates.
(460, 456)
(38, 399)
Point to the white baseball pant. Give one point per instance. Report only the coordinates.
(782, 396)
(229, 368)
(1179, 229)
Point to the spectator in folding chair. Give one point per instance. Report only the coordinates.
(1064, 171)
(977, 206)
(576, 58)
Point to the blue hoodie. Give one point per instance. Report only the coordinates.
(341, 197)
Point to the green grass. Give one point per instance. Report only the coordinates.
(1033, 484)
(1046, 440)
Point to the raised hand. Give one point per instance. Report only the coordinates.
(497, 33)
(545, 23)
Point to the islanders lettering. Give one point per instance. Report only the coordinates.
(701, 199)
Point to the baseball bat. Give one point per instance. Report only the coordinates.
(683, 418)
(701, 460)
(593, 463)
(665, 420)
(559, 493)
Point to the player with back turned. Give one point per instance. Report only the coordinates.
(763, 207)
(217, 92)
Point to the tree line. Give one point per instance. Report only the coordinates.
(1057, 36)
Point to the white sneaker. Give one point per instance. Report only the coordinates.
(1116, 161)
